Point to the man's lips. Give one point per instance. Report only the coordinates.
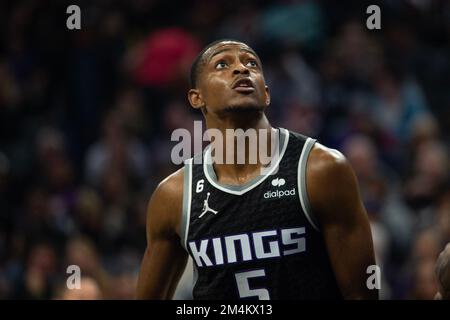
(244, 89)
(244, 85)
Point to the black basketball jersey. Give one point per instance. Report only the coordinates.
(258, 240)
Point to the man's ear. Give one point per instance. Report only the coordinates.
(267, 96)
(195, 99)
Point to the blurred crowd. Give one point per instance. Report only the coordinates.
(86, 118)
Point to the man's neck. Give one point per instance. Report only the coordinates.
(236, 170)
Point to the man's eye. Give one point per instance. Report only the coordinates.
(252, 63)
(221, 65)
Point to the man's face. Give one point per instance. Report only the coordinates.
(231, 77)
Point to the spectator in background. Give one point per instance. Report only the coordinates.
(160, 64)
(89, 214)
(89, 290)
(429, 176)
(425, 251)
(398, 104)
(443, 214)
(424, 285)
(123, 286)
(163, 58)
(82, 252)
(372, 177)
(56, 175)
(116, 150)
(38, 277)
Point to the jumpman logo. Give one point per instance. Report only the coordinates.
(206, 207)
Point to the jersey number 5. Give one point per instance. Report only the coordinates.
(244, 287)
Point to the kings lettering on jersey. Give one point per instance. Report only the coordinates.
(246, 247)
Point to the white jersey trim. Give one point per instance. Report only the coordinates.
(207, 159)
(187, 200)
(302, 187)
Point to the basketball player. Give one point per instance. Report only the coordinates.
(299, 233)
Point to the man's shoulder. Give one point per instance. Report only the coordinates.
(321, 158)
(328, 170)
(326, 160)
(165, 205)
(171, 186)
(330, 177)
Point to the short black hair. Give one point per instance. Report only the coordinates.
(199, 60)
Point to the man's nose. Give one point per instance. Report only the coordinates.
(241, 69)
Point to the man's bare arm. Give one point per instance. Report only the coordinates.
(335, 200)
(164, 259)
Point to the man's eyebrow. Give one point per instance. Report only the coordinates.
(228, 49)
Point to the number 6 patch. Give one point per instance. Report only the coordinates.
(199, 187)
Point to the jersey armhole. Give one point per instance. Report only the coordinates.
(187, 199)
(302, 189)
